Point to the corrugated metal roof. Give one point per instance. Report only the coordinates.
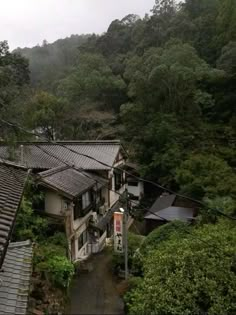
(162, 202)
(15, 279)
(12, 180)
(171, 214)
(43, 155)
(69, 180)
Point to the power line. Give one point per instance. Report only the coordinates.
(120, 169)
(81, 171)
(127, 199)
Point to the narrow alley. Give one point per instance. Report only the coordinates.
(95, 292)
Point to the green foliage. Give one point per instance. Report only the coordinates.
(93, 80)
(226, 205)
(134, 258)
(50, 252)
(163, 233)
(14, 76)
(50, 260)
(45, 114)
(49, 62)
(58, 269)
(28, 224)
(187, 276)
(206, 176)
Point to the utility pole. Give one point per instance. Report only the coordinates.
(126, 213)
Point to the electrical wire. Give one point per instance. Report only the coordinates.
(82, 171)
(120, 169)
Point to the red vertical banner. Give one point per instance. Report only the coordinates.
(118, 232)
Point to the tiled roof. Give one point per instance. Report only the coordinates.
(162, 202)
(69, 180)
(171, 214)
(12, 180)
(43, 155)
(15, 279)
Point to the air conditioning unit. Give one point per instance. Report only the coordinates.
(102, 210)
(95, 217)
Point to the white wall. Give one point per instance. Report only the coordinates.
(76, 224)
(137, 191)
(83, 252)
(114, 197)
(54, 204)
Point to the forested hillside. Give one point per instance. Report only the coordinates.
(164, 84)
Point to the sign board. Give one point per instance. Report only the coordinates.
(118, 232)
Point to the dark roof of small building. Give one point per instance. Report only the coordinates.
(12, 181)
(15, 279)
(70, 181)
(171, 214)
(162, 202)
(44, 155)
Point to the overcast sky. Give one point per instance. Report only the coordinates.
(26, 23)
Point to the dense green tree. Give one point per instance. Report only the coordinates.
(206, 176)
(44, 114)
(93, 80)
(188, 276)
(14, 77)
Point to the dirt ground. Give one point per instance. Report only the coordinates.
(95, 292)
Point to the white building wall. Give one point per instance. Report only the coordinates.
(54, 204)
(114, 197)
(82, 252)
(76, 224)
(137, 191)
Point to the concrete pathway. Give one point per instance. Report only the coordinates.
(95, 292)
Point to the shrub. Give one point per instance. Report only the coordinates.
(192, 275)
(134, 260)
(164, 233)
(28, 224)
(59, 270)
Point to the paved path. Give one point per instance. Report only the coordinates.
(95, 292)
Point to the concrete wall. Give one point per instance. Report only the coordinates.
(83, 252)
(76, 224)
(54, 203)
(114, 197)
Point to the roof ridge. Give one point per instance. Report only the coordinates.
(53, 171)
(12, 164)
(65, 142)
(19, 244)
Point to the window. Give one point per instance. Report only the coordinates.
(132, 183)
(83, 238)
(118, 179)
(78, 208)
(83, 204)
(86, 199)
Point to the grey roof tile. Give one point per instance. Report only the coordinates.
(15, 278)
(69, 180)
(43, 155)
(12, 181)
